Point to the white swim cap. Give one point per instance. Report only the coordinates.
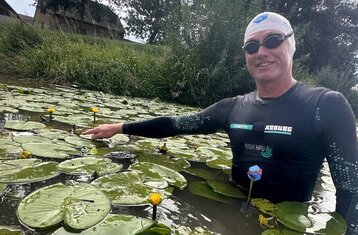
(270, 20)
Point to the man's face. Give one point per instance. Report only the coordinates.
(267, 65)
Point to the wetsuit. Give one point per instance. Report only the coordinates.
(288, 137)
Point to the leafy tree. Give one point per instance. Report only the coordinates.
(146, 18)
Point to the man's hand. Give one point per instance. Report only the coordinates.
(104, 131)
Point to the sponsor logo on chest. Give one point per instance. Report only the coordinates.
(269, 129)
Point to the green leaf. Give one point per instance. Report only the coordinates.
(227, 189)
(26, 171)
(130, 188)
(79, 205)
(79, 142)
(114, 224)
(49, 150)
(176, 164)
(204, 190)
(160, 172)
(23, 125)
(10, 230)
(22, 139)
(89, 165)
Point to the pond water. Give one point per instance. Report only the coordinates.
(182, 208)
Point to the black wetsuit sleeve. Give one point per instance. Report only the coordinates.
(337, 122)
(207, 121)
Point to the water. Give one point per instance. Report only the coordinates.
(183, 208)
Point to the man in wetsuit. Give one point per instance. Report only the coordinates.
(284, 127)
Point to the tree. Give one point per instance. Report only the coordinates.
(146, 18)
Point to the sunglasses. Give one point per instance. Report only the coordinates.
(270, 42)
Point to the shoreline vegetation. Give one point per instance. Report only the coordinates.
(167, 72)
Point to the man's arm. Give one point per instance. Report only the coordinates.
(207, 121)
(336, 118)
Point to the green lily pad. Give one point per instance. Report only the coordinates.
(226, 189)
(296, 216)
(187, 155)
(89, 165)
(114, 224)
(204, 173)
(53, 134)
(211, 151)
(130, 188)
(176, 164)
(219, 163)
(79, 205)
(79, 142)
(23, 125)
(10, 230)
(26, 171)
(155, 171)
(22, 139)
(49, 150)
(204, 190)
(119, 139)
(8, 110)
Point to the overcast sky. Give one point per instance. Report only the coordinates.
(22, 6)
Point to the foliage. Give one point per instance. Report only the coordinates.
(146, 18)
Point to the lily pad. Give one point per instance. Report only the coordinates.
(187, 155)
(23, 125)
(53, 133)
(49, 150)
(176, 164)
(204, 173)
(79, 142)
(204, 190)
(219, 163)
(119, 139)
(155, 171)
(79, 205)
(89, 165)
(26, 171)
(296, 216)
(10, 230)
(114, 224)
(226, 189)
(22, 139)
(130, 188)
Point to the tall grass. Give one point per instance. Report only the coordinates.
(118, 67)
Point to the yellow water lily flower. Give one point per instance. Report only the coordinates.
(25, 154)
(94, 109)
(155, 199)
(51, 110)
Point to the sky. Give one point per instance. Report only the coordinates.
(23, 7)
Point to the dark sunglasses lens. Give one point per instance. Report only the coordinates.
(252, 47)
(273, 41)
